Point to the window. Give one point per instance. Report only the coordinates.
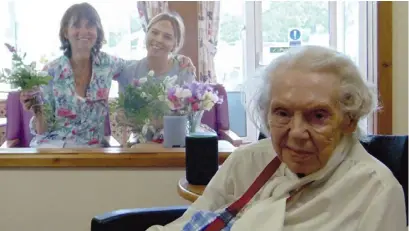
(252, 34)
(34, 28)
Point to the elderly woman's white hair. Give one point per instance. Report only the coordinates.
(358, 98)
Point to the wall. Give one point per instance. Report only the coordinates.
(67, 199)
(400, 68)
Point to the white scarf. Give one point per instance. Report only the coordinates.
(270, 210)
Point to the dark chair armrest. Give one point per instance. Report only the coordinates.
(136, 219)
(230, 136)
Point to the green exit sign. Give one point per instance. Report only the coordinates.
(278, 49)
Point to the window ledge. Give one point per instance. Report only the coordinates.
(146, 155)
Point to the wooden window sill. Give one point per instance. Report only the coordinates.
(145, 155)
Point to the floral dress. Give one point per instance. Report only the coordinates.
(77, 121)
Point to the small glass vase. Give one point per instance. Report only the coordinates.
(137, 136)
(174, 131)
(194, 120)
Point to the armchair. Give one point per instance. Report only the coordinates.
(390, 150)
(17, 129)
(218, 119)
(136, 219)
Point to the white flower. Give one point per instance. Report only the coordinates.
(171, 105)
(207, 105)
(207, 96)
(178, 92)
(170, 81)
(215, 98)
(143, 80)
(183, 93)
(144, 95)
(151, 73)
(43, 73)
(210, 96)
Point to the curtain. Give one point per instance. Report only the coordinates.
(149, 9)
(209, 12)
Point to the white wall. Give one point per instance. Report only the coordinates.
(400, 68)
(67, 199)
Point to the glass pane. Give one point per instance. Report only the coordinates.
(229, 57)
(279, 18)
(351, 44)
(6, 36)
(351, 30)
(229, 61)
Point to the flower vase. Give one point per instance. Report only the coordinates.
(140, 135)
(194, 121)
(174, 131)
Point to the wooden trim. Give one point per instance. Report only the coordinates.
(188, 191)
(383, 118)
(146, 155)
(188, 12)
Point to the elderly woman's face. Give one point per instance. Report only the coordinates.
(82, 35)
(160, 39)
(305, 121)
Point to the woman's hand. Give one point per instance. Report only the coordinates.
(30, 100)
(186, 62)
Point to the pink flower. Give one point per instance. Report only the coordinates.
(172, 98)
(93, 141)
(63, 112)
(102, 93)
(135, 82)
(74, 132)
(191, 99)
(195, 107)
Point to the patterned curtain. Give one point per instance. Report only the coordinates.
(209, 12)
(149, 9)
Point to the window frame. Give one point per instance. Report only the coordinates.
(367, 54)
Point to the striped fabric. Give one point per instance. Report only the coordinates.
(202, 219)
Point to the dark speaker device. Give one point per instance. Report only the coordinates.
(202, 157)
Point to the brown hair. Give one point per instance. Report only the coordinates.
(178, 27)
(76, 13)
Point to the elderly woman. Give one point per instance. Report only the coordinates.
(313, 173)
(164, 39)
(78, 94)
